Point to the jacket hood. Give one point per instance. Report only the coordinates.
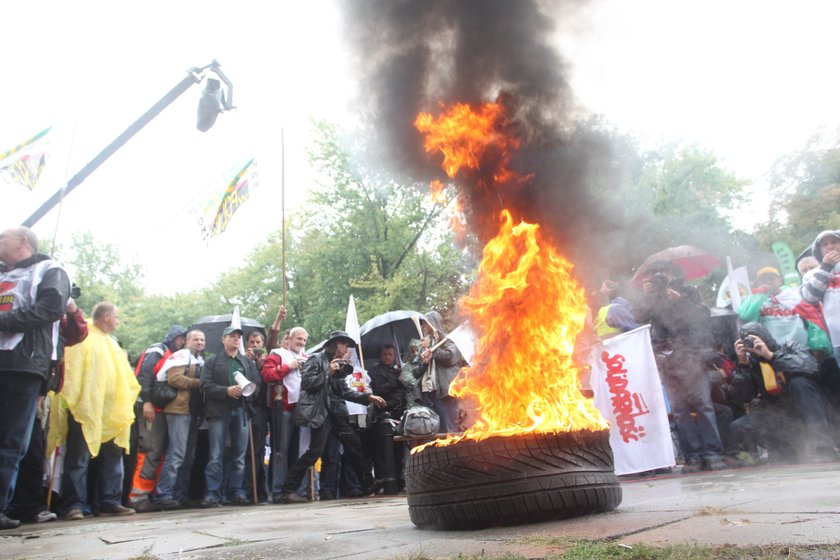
(762, 333)
(174, 332)
(815, 247)
(28, 261)
(434, 318)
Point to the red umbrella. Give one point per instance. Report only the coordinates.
(693, 261)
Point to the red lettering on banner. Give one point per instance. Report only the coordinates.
(835, 281)
(626, 406)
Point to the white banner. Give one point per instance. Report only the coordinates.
(628, 393)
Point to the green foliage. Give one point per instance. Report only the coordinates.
(806, 189)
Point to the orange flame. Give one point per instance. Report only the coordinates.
(464, 136)
(526, 308)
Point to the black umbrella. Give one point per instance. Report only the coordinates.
(393, 327)
(213, 325)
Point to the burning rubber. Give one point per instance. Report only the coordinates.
(512, 480)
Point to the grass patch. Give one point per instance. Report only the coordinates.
(603, 550)
(145, 555)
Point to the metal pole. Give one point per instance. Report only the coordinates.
(115, 145)
(283, 210)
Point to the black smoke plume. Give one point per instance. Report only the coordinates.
(415, 55)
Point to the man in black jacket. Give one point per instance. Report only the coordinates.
(225, 413)
(790, 418)
(321, 408)
(385, 382)
(33, 295)
(681, 338)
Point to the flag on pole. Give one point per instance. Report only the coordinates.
(464, 338)
(215, 216)
(629, 394)
(23, 164)
(734, 288)
(359, 379)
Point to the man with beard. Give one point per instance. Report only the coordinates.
(322, 409)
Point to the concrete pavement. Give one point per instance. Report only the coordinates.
(762, 505)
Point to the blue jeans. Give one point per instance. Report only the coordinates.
(18, 405)
(447, 409)
(178, 427)
(687, 385)
(74, 483)
(280, 457)
(219, 427)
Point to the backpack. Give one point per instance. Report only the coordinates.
(419, 421)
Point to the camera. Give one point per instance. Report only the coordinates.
(75, 291)
(747, 342)
(659, 281)
(345, 368)
(257, 352)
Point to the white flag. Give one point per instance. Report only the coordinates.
(464, 339)
(236, 322)
(734, 287)
(628, 392)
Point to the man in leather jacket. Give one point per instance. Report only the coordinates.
(790, 418)
(322, 409)
(33, 294)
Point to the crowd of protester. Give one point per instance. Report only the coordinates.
(261, 421)
(762, 384)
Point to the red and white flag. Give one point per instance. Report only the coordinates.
(628, 392)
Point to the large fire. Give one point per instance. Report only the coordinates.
(526, 307)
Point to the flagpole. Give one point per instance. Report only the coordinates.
(283, 211)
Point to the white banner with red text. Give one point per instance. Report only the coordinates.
(628, 393)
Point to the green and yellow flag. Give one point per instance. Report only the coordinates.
(23, 164)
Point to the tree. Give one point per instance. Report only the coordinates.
(363, 233)
(806, 192)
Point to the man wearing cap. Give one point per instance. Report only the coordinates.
(151, 424)
(783, 313)
(221, 383)
(321, 408)
(822, 285)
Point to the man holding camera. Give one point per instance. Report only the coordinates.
(222, 380)
(681, 338)
(790, 418)
(322, 409)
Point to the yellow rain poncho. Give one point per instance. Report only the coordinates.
(99, 390)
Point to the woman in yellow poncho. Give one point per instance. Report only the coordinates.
(93, 415)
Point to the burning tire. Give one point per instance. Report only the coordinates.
(512, 480)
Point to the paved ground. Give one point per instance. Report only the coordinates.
(763, 505)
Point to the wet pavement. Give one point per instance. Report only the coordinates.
(798, 505)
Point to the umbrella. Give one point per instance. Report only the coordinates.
(693, 261)
(393, 327)
(213, 325)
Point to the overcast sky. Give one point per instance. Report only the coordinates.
(748, 80)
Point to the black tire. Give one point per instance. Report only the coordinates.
(512, 480)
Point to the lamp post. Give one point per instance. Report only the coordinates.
(213, 101)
